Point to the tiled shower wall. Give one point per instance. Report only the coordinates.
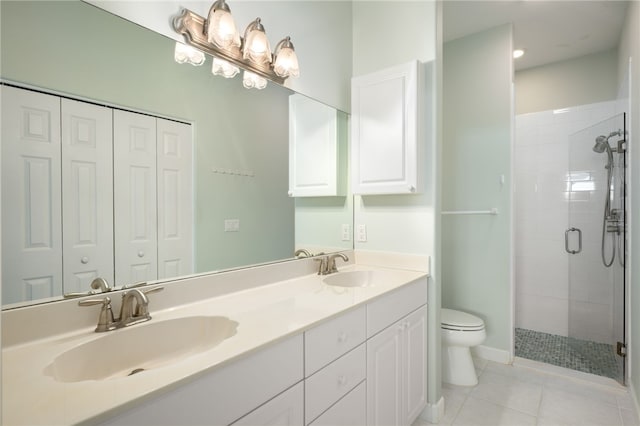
(543, 297)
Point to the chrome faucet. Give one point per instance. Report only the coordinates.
(302, 251)
(328, 263)
(133, 310)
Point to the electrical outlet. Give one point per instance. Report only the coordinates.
(346, 232)
(231, 225)
(362, 233)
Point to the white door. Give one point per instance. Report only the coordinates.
(175, 199)
(31, 207)
(134, 156)
(384, 131)
(415, 360)
(384, 377)
(87, 194)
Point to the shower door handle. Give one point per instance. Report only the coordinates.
(566, 240)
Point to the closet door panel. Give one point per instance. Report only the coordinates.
(87, 194)
(175, 199)
(31, 206)
(134, 153)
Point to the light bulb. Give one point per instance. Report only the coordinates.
(221, 28)
(286, 62)
(256, 44)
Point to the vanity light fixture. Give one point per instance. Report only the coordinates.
(218, 36)
(518, 53)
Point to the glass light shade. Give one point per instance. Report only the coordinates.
(224, 68)
(221, 28)
(256, 45)
(187, 54)
(286, 62)
(253, 81)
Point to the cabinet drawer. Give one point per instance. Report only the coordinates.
(333, 382)
(285, 410)
(389, 308)
(349, 411)
(332, 339)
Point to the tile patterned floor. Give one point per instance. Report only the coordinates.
(532, 393)
(580, 355)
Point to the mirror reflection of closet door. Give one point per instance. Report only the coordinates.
(134, 155)
(87, 189)
(175, 199)
(31, 196)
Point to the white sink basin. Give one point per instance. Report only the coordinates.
(131, 350)
(350, 279)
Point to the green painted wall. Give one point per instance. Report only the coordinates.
(476, 151)
(115, 61)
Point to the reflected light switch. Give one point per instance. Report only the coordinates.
(231, 225)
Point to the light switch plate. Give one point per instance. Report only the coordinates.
(231, 225)
(362, 233)
(346, 232)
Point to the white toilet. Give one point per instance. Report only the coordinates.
(460, 331)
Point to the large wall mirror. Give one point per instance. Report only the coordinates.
(240, 212)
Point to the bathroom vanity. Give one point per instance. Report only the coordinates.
(291, 347)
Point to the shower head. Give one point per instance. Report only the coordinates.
(602, 142)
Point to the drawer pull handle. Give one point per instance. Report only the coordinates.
(342, 337)
(342, 380)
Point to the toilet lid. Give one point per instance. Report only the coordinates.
(453, 318)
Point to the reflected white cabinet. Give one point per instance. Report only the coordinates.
(384, 131)
(314, 148)
(396, 371)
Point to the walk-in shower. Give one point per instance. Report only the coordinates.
(570, 238)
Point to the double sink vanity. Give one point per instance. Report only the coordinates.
(276, 342)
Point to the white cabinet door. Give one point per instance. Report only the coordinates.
(31, 206)
(396, 371)
(384, 377)
(415, 361)
(175, 199)
(384, 107)
(134, 154)
(87, 194)
(313, 148)
(285, 409)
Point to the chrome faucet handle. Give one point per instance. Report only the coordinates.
(134, 285)
(106, 321)
(153, 290)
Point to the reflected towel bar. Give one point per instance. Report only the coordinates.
(493, 211)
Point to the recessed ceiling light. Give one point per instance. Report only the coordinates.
(517, 53)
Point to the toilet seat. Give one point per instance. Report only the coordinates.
(460, 321)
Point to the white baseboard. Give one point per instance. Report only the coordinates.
(433, 413)
(492, 354)
(634, 396)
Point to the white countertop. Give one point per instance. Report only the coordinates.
(265, 314)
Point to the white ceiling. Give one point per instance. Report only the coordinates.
(549, 31)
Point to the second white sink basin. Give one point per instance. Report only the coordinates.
(131, 350)
(350, 279)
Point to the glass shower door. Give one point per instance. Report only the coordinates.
(596, 198)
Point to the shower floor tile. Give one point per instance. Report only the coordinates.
(580, 355)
